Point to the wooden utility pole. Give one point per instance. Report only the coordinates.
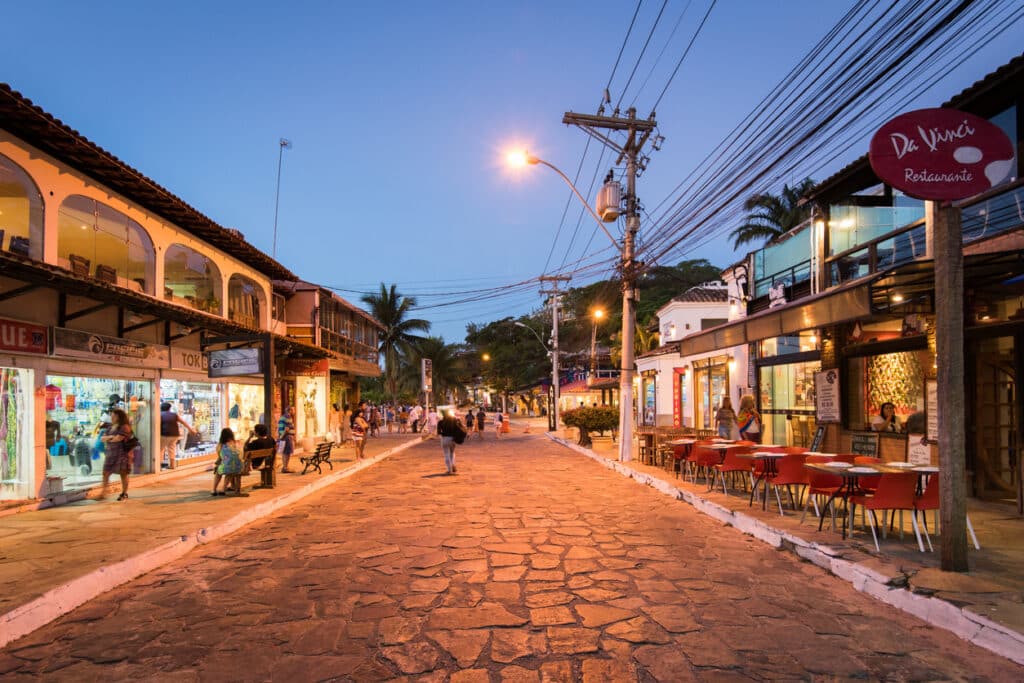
(637, 132)
(943, 219)
(555, 294)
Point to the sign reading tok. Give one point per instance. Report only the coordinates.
(941, 154)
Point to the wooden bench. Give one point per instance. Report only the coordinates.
(268, 476)
(321, 455)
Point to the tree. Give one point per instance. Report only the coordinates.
(397, 340)
(447, 370)
(773, 215)
(589, 420)
(644, 340)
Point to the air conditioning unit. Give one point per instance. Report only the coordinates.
(609, 201)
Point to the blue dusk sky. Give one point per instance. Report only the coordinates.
(400, 115)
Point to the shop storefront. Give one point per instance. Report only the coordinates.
(785, 374)
(648, 397)
(710, 386)
(245, 408)
(107, 373)
(17, 415)
(308, 379)
(77, 413)
(200, 404)
(17, 473)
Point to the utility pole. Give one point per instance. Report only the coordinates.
(637, 132)
(555, 296)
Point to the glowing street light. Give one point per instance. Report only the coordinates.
(597, 314)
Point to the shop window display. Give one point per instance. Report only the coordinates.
(310, 418)
(245, 409)
(200, 405)
(787, 402)
(896, 378)
(16, 472)
(711, 385)
(77, 410)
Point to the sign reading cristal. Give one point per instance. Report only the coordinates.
(941, 154)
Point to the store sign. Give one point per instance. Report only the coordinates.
(919, 452)
(189, 359)
(22, 337)
(931, 397)
(826, 395)
(941, 154)
(303, 367)
(98, 347)
(234, 362)
(427, 374)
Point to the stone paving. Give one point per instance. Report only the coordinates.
(531, 564)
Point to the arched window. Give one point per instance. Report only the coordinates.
(245, 301)
(98, 241)
(21, 211)
(192, 279)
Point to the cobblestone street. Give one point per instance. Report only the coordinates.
(531, 564)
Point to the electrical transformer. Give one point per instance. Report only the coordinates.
(609, 199)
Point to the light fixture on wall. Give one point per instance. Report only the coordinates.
(732, 364)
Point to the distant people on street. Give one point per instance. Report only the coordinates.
(389, 417)
(228, 464)
(286, 438)
(749, 420)
(448, 428)
(470, 421)
(725, 420)
(432, 420)
(403, 420)
(346, 429)
(414, 417)
(481, 421)
(374, 421)
(359, 427)
(119, 442)
(499, 422)
(334, 419)
(170, 433)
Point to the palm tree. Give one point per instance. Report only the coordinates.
(447, 370)
(397, 340)
(773, 215)
(644, 340)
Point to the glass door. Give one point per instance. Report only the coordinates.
(996, 459)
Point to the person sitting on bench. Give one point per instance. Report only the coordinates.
(260, 440)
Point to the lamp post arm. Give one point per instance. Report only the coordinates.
(527, 327)
(579, 196)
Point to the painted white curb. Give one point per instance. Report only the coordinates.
(963, 622)
(58, 601)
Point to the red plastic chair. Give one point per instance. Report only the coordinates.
(820, 484)
(733, 464)
(790, 472)
(896, 491)
(929, 500)
(869, 482)
(705, 459)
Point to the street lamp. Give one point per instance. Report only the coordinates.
(521, 159)
(552, 424)
(282, 146)
(597, 315)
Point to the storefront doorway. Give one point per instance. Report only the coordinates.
(993, 432)
(711, 385)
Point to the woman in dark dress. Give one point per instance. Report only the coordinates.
(119, 441)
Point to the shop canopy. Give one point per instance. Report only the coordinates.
(36, 275)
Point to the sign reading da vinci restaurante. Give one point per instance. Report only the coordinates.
(941, 154)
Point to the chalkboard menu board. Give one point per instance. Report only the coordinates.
(819, 438)
(864, 444)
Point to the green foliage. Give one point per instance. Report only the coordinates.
(771, 216)
(599, 419)
(398, 340)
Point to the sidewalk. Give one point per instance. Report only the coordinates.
(984, 606)
(55, 559)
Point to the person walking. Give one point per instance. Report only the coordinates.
(346, 428)
(449, 428)
(228, 464)
(286, 438)
(470, 421)
(725, 420)
(359, 427)
(499, 423)
(749, 420)
(170, 433)
(481, 421)
(334, 417)
(119, 442)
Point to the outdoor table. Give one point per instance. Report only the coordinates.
(821, 455)
(849, 488)
(923, 471)
(769, 471)
(682, 442)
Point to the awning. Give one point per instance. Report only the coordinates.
(849, 301)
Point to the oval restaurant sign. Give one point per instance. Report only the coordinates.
(941, 154)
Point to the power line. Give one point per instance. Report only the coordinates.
(685, 52)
